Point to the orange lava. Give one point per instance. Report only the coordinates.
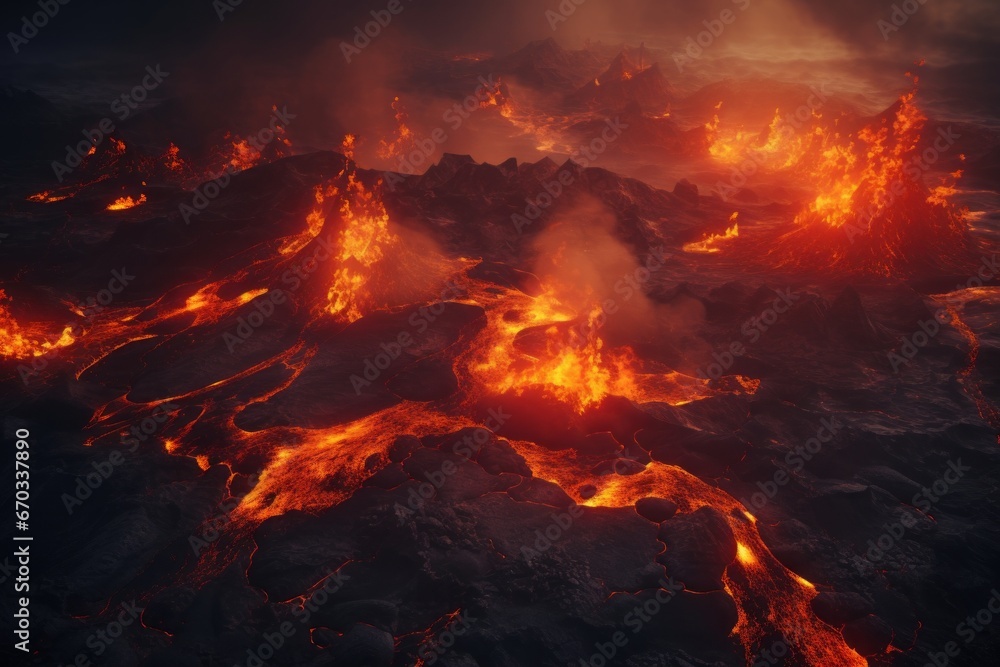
(47, 197)
(315, 220)
(710, 243)
(769, 597)
(124, 203)
(17, 342)
(362, 243)
(774, 149)
(404, 136)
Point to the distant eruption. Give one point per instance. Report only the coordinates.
(871, 211)
(24, 342)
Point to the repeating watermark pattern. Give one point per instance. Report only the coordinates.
(775, 654)
(583, 157)
(209, 191)
(370, 31)
(122, 107)
(99, 642)
(87, 484)
(272, 642)
(562, 13)
(635, 620)
(212, 529)
(466, 448)
(796, 460)
(89, 308)
(265, 305)
(695, 46)
(546, 538)
(424, 149)
(914, 170)
(753, 329)
(898, 17)
(968, 630)
(924, 500)
(432, 650)
(626, 288)
(31, 25)
(223, 7)
(789, 125)
(929, 329)
(419, 321)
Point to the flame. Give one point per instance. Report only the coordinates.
(172, 159)
(20, 343)
(744, 555)
(581, 374)
(576, 367)
(495, 98)
(862, 172)
(868, 184)
(123, 203)
(315, 220)
(238, 154)
(709, 243)
(47, 197)
(209, 307)
(867, 189)
(776, 148)
(404, 136)
(362, 243)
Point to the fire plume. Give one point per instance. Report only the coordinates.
(872, 211)
(404, 135)
(362, 243)
(709, 244)
(17, 342)
(124, 203)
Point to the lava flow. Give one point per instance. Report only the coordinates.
(475, 355)
(17, 342)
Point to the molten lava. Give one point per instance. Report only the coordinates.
(404, 135)
(710, 243)
(124, 203)
(777, 148)
(17, 342)
(362, 243)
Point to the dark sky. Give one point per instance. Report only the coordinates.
(939, 28)
(266, 50)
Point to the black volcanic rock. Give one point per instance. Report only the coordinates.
(656, 510)
(703, 453)
(839, 608)
(624, 84)
(499, 457)
(869, 635)
(445, 169)
(849, 318)
(687, 191)
(700, 546)
(544, 64)
(534, 490)
(364, 646)
(426, 380)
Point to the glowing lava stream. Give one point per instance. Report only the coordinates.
(987, 412)
(321, 468)
(298, 477)
(765, 582)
